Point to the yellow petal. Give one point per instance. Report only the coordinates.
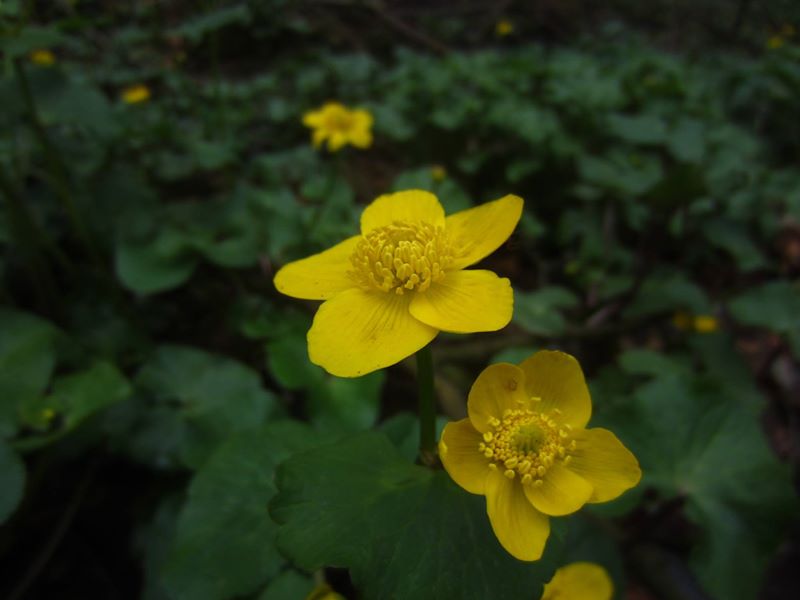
(557, 379)
(603, 461)
(477, 232)
(413, 206)
(357, 332)
(497, 388)
(579, 581)
(313, 118)
(320, 276)
(462, 460)
(336, 140)
(361, 118)
(466, 302)
(318, 137)
(562, 492)
(361, 138)
(520, 528)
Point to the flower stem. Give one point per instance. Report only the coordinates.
(427, 410)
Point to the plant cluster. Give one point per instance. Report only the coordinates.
(156, 383)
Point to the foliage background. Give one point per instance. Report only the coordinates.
(152, 380)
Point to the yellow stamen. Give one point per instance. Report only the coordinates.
(401, 256)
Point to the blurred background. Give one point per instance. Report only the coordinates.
(155, 173)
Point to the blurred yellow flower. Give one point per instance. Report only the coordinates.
(788, 30)
(42, 57)
(775, 41)
(525, 447)
(438, 173)
(135, 94)
(504, 28)
(579, 581)
(705, 324)
(697, 323)
(324, 592)
(339, 126)
(390, 290)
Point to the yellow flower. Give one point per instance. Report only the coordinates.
(504, 28)
(438, 173)
(788, 30)
(774, 42)
(705, 324)
(324, 592)
(135, 94)
(579, 581)
(525, 447)
(389, 291)
(339, 126)
(42, 57)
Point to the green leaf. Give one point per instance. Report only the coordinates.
(27, 359)
(289, 585)
(774, 306)
(668, 292)
(639, 129)
(358, 504)
(28, 39)
(224, 545)
(214, 396)
(74, 399)
(539, 312)
(687, 141)
(694, 442)
(733, 238)
(151, 266)
(649, 362)
(12, 480)
(79, 104)
(333, 403)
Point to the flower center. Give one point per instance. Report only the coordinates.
(526, 443)
(339, 120)
(401, 256)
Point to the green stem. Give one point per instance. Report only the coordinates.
(427, 409)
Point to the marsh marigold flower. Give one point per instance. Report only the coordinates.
(42, 57)
(579, 581)
(390, 290)
(504, 28)
(135, 94)
(339, 126)
(525, 447)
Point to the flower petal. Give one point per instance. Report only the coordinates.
(320, 276)
(313, 118)
(361, 138)
(497, 388)
(557, 378)
(466, 302)
(562, 492)
(603, 461)
(336, 140)
(584, 580)
(520, 528)
(361, 118)
(481, 230)
(357, 332)
(413, 206)
(461, 458)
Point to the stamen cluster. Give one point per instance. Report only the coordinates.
(525, 444)
(401, 257)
